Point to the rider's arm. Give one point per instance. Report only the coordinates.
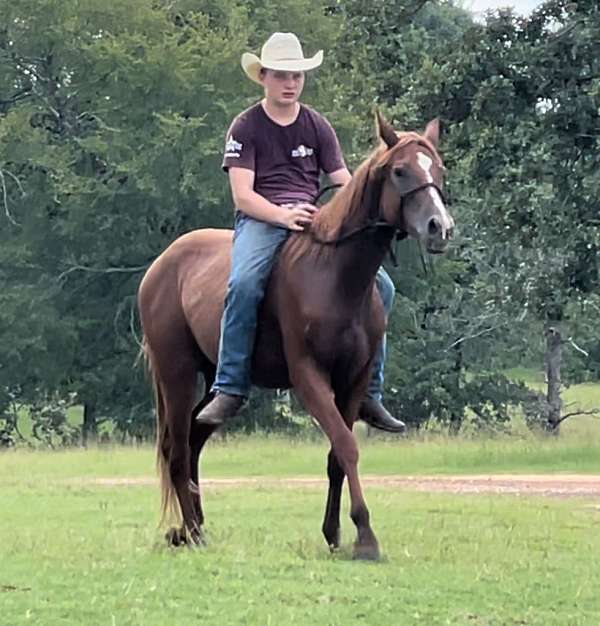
(340, 177)
(239, 161)
(331, 159)
(250, 202)
(256, 206)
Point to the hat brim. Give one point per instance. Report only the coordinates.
(252, 65)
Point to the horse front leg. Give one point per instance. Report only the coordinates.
(315, 392)
(331, 521)
(348, 404)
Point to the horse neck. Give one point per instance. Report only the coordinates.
(355, 258)
(353, 261)
(346, 211)
(356, 262)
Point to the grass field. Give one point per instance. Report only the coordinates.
(275, 456)
(73, 552)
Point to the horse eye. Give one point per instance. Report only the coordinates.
(398, 171)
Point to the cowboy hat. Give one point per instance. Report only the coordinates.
(282, 51)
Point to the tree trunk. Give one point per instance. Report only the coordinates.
(553, 362)
(89, 432)
(456, 418)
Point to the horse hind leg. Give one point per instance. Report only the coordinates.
(199, 435)
(178, 395)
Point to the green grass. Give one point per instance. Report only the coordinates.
(276, 456)
(93, 555)
(73, 552)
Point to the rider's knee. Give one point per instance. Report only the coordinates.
(245, 286)
(386, 289)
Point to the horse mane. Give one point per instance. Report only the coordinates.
(354, 202)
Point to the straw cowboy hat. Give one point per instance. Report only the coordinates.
(282, 51)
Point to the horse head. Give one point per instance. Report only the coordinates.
(407, 178)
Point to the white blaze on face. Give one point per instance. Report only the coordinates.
(426, 162)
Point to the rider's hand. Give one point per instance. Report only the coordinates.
(298, 216)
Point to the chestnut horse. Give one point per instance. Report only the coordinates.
(320, 323)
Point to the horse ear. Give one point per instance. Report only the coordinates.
(385, 130)
(432, 132)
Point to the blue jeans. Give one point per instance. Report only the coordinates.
(255, 247)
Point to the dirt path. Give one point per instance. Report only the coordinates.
(562, 485)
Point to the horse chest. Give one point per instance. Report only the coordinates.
(334, 339)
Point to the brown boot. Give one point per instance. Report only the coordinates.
(222, 407)
(375, 414)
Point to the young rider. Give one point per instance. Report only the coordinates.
(274, 154)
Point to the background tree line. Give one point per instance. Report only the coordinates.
(112, 124)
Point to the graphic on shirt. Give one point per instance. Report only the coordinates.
(302, 151)
(232, 147)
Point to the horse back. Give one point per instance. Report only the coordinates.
(183, 295)
(183, 290)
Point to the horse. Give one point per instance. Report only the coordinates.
(320, 322)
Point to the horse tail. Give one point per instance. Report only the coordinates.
(169, 506)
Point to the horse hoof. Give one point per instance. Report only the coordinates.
(366, 552)
(196, 539)
(332, 537)
(175, 537)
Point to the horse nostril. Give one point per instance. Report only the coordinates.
(434, 227)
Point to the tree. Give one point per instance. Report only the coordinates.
(112, 120)
(519, 99)
(110, 147)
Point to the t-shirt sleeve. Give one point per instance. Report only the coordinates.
(239, 145)
(330, 151)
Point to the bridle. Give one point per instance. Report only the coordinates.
(375, 223)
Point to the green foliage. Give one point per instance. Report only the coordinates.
(526, 170)
(111, 139)
(273, 411)
(521, 168)
(112, 119)
(50, 423)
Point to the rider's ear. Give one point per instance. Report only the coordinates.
(385, 130)
(432, 132)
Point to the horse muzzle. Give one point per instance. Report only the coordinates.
(439, 233)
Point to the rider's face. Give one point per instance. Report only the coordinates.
(282, 88)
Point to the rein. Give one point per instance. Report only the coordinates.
(374, 224)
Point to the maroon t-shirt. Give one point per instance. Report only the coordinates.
(287, 160)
